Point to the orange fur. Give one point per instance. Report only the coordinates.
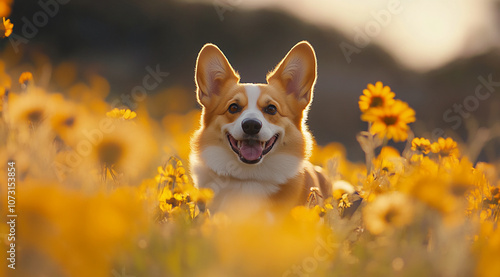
(282, 177)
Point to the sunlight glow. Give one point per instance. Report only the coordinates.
(423, 35)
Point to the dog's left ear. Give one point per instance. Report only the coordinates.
(297, 73)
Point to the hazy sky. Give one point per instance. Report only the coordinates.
(421, 34)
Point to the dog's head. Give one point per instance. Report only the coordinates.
(255, 124)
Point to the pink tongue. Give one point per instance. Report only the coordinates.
(250, 151)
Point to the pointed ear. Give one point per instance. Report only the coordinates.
(212, 72)
(297, 72)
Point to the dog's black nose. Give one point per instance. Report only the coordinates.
(251, 126)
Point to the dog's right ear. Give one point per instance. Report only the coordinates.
(212, 73)
(297, 73)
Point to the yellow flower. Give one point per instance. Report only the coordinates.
(68, 119)
(33, 107)
(25, 78)
(388, 212)
(344, 201)
(127, 149)
(7, 27)
(376, 95)
(180, 197)
(421, 145)
(202, 195)
(111, 151)
(165, 207)
(121, 113)
(462, 176)
(387, 169)
(389, 161)
(165, 195)
(390, 121)
(61, 121)
(172, 174)
(442, 186)
(445, 148)
(175, 188)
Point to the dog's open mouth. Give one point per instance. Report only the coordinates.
(251, 151)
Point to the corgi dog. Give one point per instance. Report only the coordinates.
(253, 144)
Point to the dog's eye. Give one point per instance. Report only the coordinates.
(234, 108)
(271, 109)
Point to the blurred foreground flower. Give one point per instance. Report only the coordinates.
(5, 7)
(32, 108)
(158, 223)
(388, 212)
(125, 149)
(66, 221)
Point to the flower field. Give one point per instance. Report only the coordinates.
(100, 190)
(98, 194)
